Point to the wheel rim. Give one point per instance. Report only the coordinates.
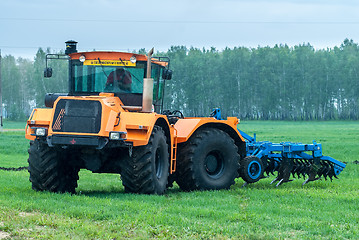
(214, 164)
(158, 163)
(254, 169)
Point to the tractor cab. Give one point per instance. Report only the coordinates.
(120, 73)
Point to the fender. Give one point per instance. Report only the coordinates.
(187, 126)
(138, 126)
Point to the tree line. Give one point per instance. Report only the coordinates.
(277, 83)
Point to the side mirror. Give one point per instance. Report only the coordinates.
(48, 72)
(167, 74)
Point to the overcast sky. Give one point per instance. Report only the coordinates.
(26, 25)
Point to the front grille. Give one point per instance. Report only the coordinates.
(79, 116)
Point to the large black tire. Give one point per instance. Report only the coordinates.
(49, 170)
(146, 171)
(251, 169)
(208, 161)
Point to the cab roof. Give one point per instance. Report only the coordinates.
(125, 56)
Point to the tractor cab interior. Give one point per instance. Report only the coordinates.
(124, 80)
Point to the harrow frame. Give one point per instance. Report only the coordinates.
(287, 154)
(286, 158)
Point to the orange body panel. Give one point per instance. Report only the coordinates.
(137, 125)
(187, 126)
(39, 117)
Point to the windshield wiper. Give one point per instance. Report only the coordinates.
(130, 73)
(103, 69)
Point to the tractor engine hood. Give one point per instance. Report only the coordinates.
(85, 115)
(91, 121)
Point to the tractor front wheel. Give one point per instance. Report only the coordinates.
(146, 171)
(208, 161)
(49, 171)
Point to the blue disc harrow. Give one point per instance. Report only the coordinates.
(286, 159)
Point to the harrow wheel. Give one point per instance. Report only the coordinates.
(49, 170)
(251, 169)
(146, 171)
(208, 161)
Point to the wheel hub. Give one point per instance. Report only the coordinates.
(213, 164)
(254, 169)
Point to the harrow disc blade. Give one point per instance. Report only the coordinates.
(310, 169)
(310, 180)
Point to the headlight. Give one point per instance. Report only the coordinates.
(117, 136)
(40, 132)
(82, 58)
(133, 59)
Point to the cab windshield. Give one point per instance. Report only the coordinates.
(93, 79)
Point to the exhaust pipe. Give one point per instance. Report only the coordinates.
(70, 47)
(147, 96)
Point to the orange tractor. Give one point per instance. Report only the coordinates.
(112, 121)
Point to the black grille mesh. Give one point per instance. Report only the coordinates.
(77, 116)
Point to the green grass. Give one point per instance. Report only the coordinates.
(13, 125)
(101, 209)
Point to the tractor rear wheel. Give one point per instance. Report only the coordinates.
(146, 171)
(208, 161)
(49, 171)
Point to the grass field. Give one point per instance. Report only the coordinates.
(13, 125)
(101, 209)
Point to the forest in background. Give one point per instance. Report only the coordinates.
(276, 83)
